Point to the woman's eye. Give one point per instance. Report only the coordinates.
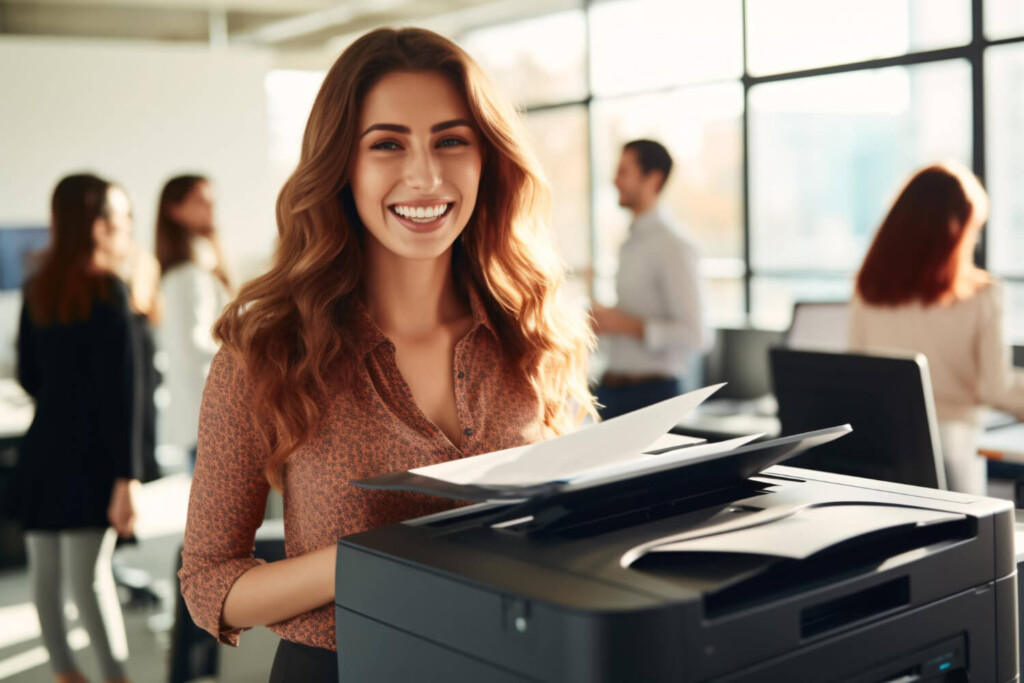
(451, 142)
(386, 145)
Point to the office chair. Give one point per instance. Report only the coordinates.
(887, 398)
(819, 326)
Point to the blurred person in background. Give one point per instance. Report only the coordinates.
(659, 324)
(919, 290)
(411, 316)
(147, 308)
(195, 289)
(78, 470)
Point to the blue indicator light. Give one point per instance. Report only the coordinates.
(945, 666)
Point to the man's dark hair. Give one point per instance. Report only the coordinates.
(652, 156)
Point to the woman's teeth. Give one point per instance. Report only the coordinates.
(421, 214)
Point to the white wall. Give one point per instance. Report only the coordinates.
(138, 113)
(135, 113)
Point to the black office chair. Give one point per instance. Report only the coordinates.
(886, 398)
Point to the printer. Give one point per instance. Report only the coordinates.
(718, 568)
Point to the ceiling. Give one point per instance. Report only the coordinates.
(285, 25)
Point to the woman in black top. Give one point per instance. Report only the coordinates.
(81, 459)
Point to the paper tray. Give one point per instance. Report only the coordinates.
(707, 472)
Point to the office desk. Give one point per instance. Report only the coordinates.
(1003, 443)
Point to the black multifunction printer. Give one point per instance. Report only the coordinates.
(728, 568)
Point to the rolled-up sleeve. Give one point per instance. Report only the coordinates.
(228, 498)
(1000, 385)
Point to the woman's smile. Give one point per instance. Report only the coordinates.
(422, 217)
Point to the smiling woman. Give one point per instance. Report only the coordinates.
(411, 316)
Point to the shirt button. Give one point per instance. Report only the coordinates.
(461, 374)
(467, 431)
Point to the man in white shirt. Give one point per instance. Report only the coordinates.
(658, 326)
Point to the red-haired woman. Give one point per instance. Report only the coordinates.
(81, 459)
(410, 317)
(919, 290)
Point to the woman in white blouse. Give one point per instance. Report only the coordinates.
(919, 290)
(195, 288)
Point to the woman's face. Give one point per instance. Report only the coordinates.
(113, 233)
(195, 211)
(417, 164)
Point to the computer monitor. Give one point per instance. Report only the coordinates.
(819, 326)
(16, 247)
(740, 358)
(886, 398)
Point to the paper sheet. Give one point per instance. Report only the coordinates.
(611, 442)
(646, 462)
(810, 530)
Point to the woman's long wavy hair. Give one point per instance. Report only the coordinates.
(288, 326)
(918, 251)
(62, 288)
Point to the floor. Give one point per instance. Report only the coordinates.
(160, 528)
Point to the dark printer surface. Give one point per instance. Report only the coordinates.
(445, 599)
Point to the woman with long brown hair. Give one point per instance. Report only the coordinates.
(79, 463)
(195, 289)
(411, 316)
(919, 290)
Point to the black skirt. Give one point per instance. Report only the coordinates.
(298, 662)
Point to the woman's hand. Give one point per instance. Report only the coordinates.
(121, 511)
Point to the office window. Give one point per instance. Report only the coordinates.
(1004, 19)
(828, 155)
(1004, 74)
(702, 129)
(643, 44)
(773, 298)
(535, 61)
(1013, 321)
(724, 300)
(790, 35)
(559, 139)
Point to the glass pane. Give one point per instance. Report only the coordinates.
(1004, 111)
(535, 61)
(772, 299)
(828, 154)
(1013, 324)
(702, 129)
(1004, 19)
(725, 302)
(789, 35)
(643, 44)
(559, 138)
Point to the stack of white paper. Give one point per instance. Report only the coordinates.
(615, 446)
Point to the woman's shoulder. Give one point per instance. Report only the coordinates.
(181, 272)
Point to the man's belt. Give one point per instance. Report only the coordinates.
(615, 380)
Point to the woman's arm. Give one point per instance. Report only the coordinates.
(281, 590)
(28, 372)
(225, 587)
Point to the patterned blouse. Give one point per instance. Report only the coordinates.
(372, 428)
